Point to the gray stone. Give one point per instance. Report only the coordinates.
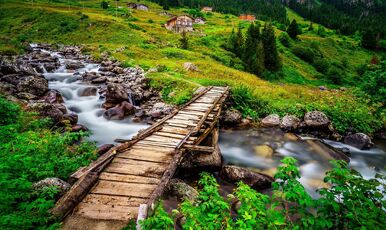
(272, 120)
(290, 122)
(253, 179)
(182, 190)
(359, 140)
(35, 85)
(115, 93)
(232, 117)
(316, 119)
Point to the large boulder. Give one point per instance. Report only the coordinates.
(290, 122)
(264, 151)
(120, 111)
(202, 161)
(74, 65)
(272, 120)
(182, 190)
(35, 85)
(316, 119)
(53, 96)
(53, 182)
(255, 180)
(232, 117)
(88, 91)
(116, 93)
(359, 140)
(54, 111)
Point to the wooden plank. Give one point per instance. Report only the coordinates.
(107, 212)
(164, 134)
(141, 147)
(208, 149)
(128, 178)
(168, 129)
(113, 200)
(123, 189)
(178, 121)
(146, 156)
(138, 170)
(177, 125)
(137, 162)
(191, 112)
(157, 144)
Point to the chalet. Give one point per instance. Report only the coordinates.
(247, 17)
(207, 9)
(137, 6)
(180, 23)
(199, 21)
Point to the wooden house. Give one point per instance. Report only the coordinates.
(207, 9)
(137, 6)
(199, 21)
(180, 23)
(247, 17)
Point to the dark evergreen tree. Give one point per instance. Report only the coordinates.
(250, 56)
(369, 39)
(239, 43)
(271, 57)
(104, 5)
(293, 29)
(184, 41)
(230, 45)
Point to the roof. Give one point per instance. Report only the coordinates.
(175, 17)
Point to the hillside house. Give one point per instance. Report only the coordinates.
(199, 21)
(180, 23)
(207, 9)
(247, 17)
(137, 6)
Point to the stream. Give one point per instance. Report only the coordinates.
(239, 147)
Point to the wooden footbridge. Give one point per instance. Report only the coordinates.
(124, 183)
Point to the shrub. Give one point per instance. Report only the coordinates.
(305, 53)
(248, 104)
(9, 112)
(350, 202)
(322, 65)
(104, 5)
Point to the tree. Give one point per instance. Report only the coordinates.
(369, 39)
(239, 43)
(104, 5)
(271, 56)
(164, 4)
(230, 45)
(293, 29)
(252, 55)
(184, 40)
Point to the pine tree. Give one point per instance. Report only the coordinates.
(271, 56)
(184, 40)
(293, 29)
(230, 45)
(239, 43)
(369, 39)
(250, 57)
(259, 64)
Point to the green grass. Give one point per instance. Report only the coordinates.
(148, 44)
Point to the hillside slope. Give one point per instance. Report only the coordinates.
(139, 38)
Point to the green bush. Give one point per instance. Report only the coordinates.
(322, 65)
(30, 152)
(247, 103)
(305, 53)
(351, 202)
(285, 39)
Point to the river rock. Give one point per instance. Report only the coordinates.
(359, 140)
(104, 148)
(290, 122)
(7, 88)
(202, 161)
(263, 151)
(316, 119)
(232, 117)
(182, 190)
(99, 80)
(74, 65)
(114, 113)
(53, 96)
(272, 120)
(128, 109)
(255, 180)
(35, 85)
(190, 67)
(89, 91)
(47, 183)
(26, 96)
(116, 93)
(54, 111)
(71, 119)
(79, 127)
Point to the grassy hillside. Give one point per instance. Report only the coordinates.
(139, 38)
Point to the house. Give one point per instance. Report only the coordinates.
(247, 17)
(137, 6)
(180, 23)
(199, 21)
(207, 9)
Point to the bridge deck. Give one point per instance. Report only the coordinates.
(138, 173)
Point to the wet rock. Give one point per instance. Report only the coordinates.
(74, 65)
(89, 76)
(117, 70)
(47, 183)
(232, 117)
(71, 119)
(99, 80)
(53, 96)
(35, 85)
(272, 120)
(160, 109)
(290, 122)
(245, 123)
(190, 67)
(127, 108)
(253, 179)
(291, 137)
(27, 96)
(263, 151)
(7, 68)
(78, 128)
(359, 140)
(202, 161)
(316, 119)
(115, 93)
(182, 190)
(47, 110)
(50, 67)
(89, 91)
(114, 113)
(7, 88)
(104, 148)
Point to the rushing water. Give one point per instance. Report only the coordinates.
(88, 108)
(239, 148)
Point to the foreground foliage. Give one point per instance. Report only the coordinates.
(29, 152)
(351, 202)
